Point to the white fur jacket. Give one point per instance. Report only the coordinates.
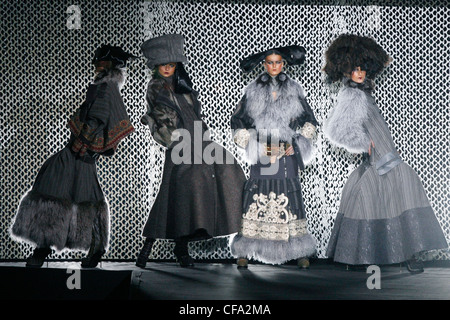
(288, 117)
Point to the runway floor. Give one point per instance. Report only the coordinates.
(222, 282)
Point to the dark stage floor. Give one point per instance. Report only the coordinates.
(221, 281)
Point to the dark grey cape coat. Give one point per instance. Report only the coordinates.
(66, 204)
(192, 196)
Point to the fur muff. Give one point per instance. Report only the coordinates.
(344, 126)
(306, 149)
(49, 222)
(271, 251)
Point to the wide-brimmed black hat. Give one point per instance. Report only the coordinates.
(115, 54)
(294, 55)
(164, 49)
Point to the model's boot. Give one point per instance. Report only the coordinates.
(96, 251)
(36, 260)
(242, 263)
(142, 258)
(303, 263)
(414, 265)
(181, 252)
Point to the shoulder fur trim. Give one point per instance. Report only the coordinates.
(116, 75)
(345, 125)
(274, 114)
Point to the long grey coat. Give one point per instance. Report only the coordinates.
(192, 196)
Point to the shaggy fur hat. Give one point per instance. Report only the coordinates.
(350, 51)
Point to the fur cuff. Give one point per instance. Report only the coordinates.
(254, 149)
(303, 144)
(242, 137)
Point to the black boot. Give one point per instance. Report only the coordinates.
(182, 253)
(36, 260)
(96, 251)
(92, 259)
(414, 266)
(142, 258)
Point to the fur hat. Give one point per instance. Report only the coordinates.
(294, 55)
(116, 55)
(164, 49)
(350, 51)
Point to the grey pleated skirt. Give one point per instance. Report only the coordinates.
(383, 219)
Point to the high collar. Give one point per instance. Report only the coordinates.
(367, 85)
(116, 75)
(266, 78)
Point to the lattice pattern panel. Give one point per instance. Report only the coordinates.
(46, 68)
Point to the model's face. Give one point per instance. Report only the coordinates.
(167, 70)
(274, 64)
(102, 65)
(358, 75)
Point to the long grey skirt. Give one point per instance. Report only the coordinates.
(383, 219)
(65, 206)
(273, 227)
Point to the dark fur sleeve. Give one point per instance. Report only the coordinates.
(240, 118)
(162, 120)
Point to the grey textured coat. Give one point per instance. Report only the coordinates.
(193, 195)
(384, 216)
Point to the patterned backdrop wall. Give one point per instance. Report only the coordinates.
(47, 47)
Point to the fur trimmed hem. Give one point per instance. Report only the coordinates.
(50, 222)
(273, 252)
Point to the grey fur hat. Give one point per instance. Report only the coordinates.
(164, 49)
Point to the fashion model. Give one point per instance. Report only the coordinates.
(198, 198)
(384, 215)
(66, 208)
(274, 124)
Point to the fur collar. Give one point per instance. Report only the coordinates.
(116, 75)
(366, 86)
(272, 114)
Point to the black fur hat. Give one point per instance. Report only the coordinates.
(349, 51)
(116, 55)
(294, 55)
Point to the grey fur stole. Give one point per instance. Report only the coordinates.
(345, 124)
(273, 116)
